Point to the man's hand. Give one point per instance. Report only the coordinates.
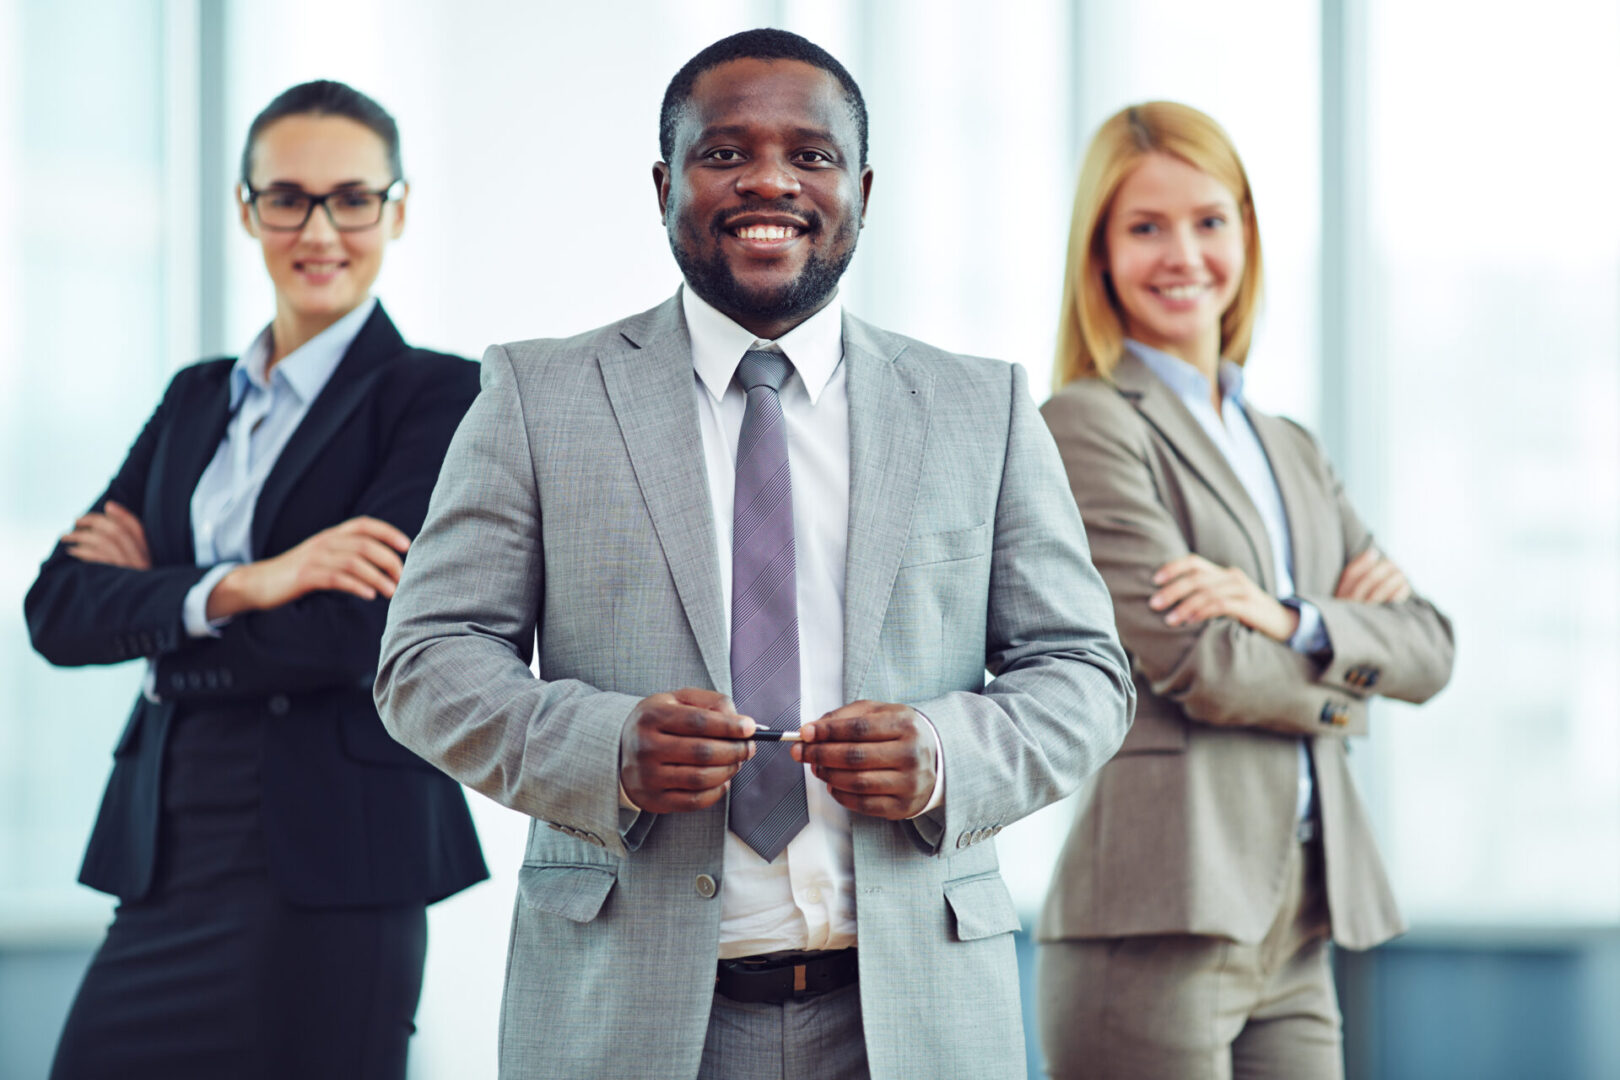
(360, 556)
(1193, 589)
(677, 752)
(114, 537)
(1372, 579)
(875, 758)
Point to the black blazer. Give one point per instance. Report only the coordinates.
(350, 817)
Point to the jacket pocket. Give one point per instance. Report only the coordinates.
(982, 905)
(576, 893)
(949, 546)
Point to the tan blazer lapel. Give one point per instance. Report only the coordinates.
(649, 384)
(1160, 407)
(1312, 514)
(889, 407)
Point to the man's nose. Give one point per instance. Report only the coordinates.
(768, 177)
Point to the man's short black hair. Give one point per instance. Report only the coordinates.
(763, 44)
(325, 97)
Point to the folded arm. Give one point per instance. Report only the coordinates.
(81, 611)
(302, 623)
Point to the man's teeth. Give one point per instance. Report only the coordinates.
(1181, 292)
(766, 232)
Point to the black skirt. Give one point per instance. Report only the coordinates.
(213, 975)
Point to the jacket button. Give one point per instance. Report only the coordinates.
(279, 705)
(705, 886)
(177, 681)
(963, 841)
(211, 678)
(225, 677)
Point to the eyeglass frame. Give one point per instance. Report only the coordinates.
(394, 192)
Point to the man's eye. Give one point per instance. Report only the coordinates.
(813, 157)
(724, 154)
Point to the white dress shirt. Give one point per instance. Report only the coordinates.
(805, 898)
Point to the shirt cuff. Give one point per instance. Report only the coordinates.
(194, 612)
(938, 797)
(624, 800)
(1310, 636)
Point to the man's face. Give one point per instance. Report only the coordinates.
(764, 197)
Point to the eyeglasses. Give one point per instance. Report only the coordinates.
(349, 209)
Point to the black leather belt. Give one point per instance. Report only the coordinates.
(778, 977)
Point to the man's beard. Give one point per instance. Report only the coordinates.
(713, 280)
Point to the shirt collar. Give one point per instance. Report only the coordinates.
(1186, 381)
(307, 369)
(815, 347)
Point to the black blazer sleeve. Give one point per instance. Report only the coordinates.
(330, 639)
(91, 613)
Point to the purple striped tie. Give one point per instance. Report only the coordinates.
(768, 805)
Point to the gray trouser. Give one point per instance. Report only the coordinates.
(819, 1038)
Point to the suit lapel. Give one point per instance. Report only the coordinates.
(649, 385)
(1161, 408)
(889, 409)
(349, 385)
(1312, 541)
(194, 434)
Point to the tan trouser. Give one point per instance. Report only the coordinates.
(1185, 1007)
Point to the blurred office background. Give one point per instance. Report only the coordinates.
(1436, 187)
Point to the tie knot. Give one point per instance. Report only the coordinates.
(763, 369)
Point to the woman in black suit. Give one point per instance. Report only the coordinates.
(272, 847)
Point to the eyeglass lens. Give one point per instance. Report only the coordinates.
(291, 209)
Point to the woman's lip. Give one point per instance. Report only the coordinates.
(320, 272)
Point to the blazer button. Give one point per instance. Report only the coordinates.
(194, 680)
(705, 886)
(212, 679)
(279, 705)
(177, 681)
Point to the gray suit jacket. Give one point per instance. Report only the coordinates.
(1189, 828)
(573, 503)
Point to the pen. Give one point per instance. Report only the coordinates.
(765, 734)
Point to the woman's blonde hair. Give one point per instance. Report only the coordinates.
(1091, 327)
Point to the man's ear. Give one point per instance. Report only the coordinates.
(866, 191)
(661, 177)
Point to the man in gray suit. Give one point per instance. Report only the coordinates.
(740, 515)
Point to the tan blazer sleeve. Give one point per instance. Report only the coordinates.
(1402, 650)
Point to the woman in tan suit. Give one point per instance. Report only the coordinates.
(1186, 932)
